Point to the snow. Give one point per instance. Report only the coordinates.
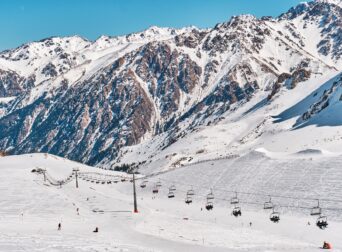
(30, 209)
(5, 100)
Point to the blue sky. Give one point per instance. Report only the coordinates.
(27, 20)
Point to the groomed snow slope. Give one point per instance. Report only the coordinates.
(31, 209)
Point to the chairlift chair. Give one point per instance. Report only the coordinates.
(155, 190)
(172, 188)
(171, 194)
(188, 199)
(322, 222)
(316, 210)
(191, 192)
(210, 196)
(268, 204)
(159, 184)
(235, 199)
(236, 211)
(209, 205)
(275, 216)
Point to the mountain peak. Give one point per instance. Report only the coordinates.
(335, 2)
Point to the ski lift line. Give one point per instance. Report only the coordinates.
(204, 196)
(251, 193)
(259, 194)
(54, 182)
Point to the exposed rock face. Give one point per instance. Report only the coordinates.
(11, 84)
(89, 99)
(329, 96)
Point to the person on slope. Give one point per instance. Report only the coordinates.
(59, 226)
(327, 245)
(96, 230)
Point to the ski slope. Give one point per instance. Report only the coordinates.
(30, 208)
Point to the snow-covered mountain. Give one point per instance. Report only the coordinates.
(149, 96)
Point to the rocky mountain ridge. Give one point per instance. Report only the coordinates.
(88, 101)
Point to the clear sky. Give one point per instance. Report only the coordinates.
(27, 20)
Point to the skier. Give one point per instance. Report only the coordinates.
(96, 230)
(77, 210)
(327, 245)
(59, 226)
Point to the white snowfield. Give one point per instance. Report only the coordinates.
(30, 209)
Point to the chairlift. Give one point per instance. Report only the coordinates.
(210, 196)
(143, 184)
(275, 216)
(191, 192)
(171, 194)
(236, 211)
(235, 199)
(322, 222)
(155, 190)
(209, 205)
(316, 210)
(172, 188)
(159, 184)
(188, 199)
(268, 204)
